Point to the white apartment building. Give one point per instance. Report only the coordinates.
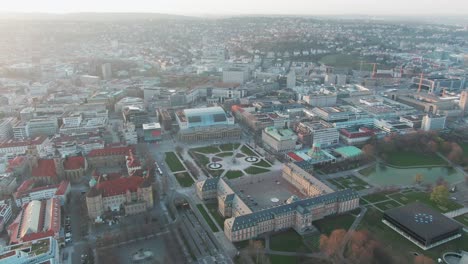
(235, 75)
(130, 134)
(6, 130)
(42, 127)
(320, 132)
(41, 145)
(5, 214)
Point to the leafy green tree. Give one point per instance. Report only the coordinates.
(440, 194)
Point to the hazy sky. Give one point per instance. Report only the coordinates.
(312, 7)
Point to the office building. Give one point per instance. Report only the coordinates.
(433, 123)
(5, 214)
(42, 127)
(152, 132)
(236, 75)
(106, 69)
(208, 123)
(41, 250)
(291, 79)
(136, 115)
(319, 132)
(6, 128)
(278, 140)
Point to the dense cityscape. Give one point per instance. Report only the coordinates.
(150, 138)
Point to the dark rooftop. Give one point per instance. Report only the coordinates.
(422, 220)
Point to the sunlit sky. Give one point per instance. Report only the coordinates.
(214, 7)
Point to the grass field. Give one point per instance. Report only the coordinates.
(387, 205)
(407, 198)
(213, 209)
(345, 61)
(233, 174)
(207, 150)
(173, 162)
(247, 151)
(367, 171)
(286, 241)
(411, 158)
(464, 146)
(216, 173)
(349, 182)
(207, 218)
(372, 222)
(224, 154)
(376, 197)
(184, 179)
(263, 163)
(255, 170)
(328, 224)
(229, 146)
(462, 219)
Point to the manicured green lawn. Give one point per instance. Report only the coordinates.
(328, 224)
(255, 170)
(229, 146)
(372, 222)
(376, 197)
(462, 219)
(286, 241)
(350, 182)
(233, 174)
(411, 158)
(247, 151)
(425, 198)
(279, 259)
(224, 154)
(216, 173)
(345, 60)
(184, 179)
(207, 218)
(207, 150)
(367, 171)
(173, 162)
(201, 159)
(464, 146)
(263, 163)
(213, 209)
(387, 205)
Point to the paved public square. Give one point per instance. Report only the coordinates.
(258, 190)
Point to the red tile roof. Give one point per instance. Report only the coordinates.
(39, 235)
(74, 163)
(25, 186)
(346, 133)
(120, 185)
(62, 187)
(110, 151)
(45, 168)
(22, 143)
(295, 157)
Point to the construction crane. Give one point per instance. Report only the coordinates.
(374, 68)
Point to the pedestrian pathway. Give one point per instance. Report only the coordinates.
(457, 212)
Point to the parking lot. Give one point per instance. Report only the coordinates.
(258, 191)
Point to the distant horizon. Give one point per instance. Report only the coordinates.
(234, 15)
(243, 7)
